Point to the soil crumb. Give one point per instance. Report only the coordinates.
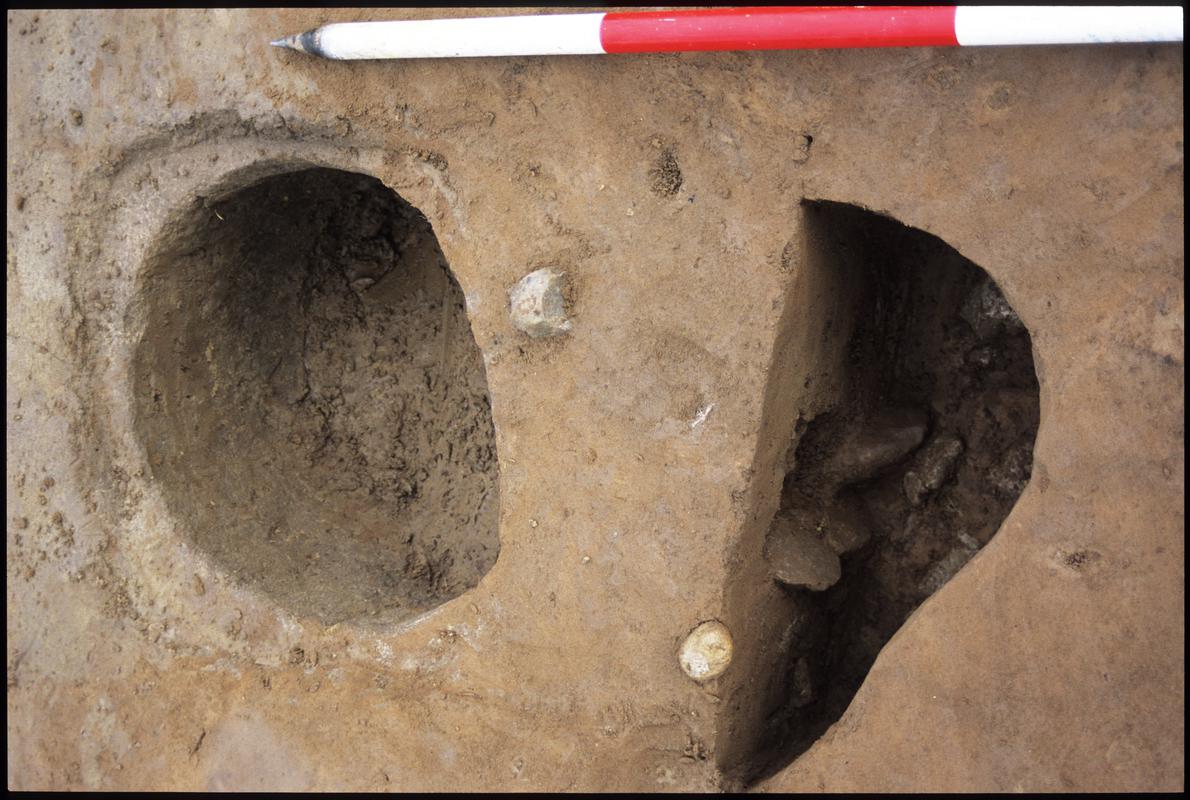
(665, 177)
(918, 465)
(312, 400)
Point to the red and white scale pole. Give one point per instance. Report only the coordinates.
(764, 28)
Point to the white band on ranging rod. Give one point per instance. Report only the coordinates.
(1007, 25)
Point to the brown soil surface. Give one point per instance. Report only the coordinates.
(269, 424)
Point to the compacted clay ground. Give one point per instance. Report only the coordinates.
(875, 358)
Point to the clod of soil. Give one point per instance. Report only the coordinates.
(312, 402)
(912, 471)
(665, 176)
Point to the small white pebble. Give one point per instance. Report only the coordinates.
(537, 304)
(586, 559)
(707, 651)
(532, 523)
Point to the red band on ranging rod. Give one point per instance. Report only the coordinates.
(778, 28)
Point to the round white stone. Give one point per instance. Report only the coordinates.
(706, 653)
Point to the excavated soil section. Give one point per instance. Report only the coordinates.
(912, 472)
(312, 402)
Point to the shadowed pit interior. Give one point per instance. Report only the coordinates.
(311, 399)
(891, 489)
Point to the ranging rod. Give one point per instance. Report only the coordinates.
(763, 28)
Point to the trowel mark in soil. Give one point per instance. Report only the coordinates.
(312, 401)
(896, 487)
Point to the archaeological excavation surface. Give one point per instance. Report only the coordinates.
(311, 399)
(895, 486)
(793, 421)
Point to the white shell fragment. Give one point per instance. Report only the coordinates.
(537, 304)
(706, 653)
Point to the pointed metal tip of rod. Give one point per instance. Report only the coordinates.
(301, 42)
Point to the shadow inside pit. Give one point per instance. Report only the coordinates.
(893, 489)
(311, 399)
